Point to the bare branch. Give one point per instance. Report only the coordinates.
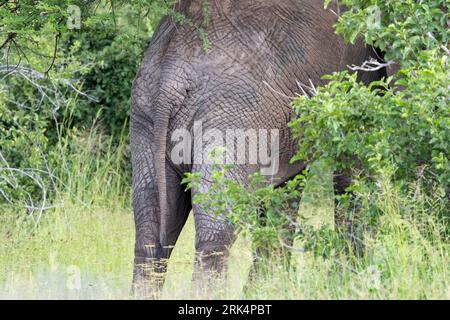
(33, 76)
(8, 39)
(55, 52)
(35, 211)
(311, 88)
(277, 92)
(371, 65)
(291, 248)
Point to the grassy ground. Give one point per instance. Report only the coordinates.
(96, 244)
(86, 252)
(83, 249)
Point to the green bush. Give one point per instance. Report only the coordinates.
(400, 124)
(394, 132)
(58, 82)
(253, 210)
(376, 127)
(402, 29)
(113, 49)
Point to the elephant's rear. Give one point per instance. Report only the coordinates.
(260, 51)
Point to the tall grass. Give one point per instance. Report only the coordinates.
(406, 257)
(94, 162)
(83, 248)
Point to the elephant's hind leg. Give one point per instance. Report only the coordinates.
(213, 240)
(151, 255)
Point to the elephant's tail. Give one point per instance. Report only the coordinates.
(161, 124)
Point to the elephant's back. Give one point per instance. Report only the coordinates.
(246, 63)
(273, 42)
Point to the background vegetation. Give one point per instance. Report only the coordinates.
(66, 226)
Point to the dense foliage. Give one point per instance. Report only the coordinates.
(64, 99)
(394, 133)
(64, 74)
(66, 67)
(403, 121)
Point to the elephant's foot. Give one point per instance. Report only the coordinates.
(148, 278)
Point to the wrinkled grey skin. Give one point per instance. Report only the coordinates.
(260, 48)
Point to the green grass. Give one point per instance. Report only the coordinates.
(97, 242)
(83, 248)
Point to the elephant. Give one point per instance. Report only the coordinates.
(258, 53)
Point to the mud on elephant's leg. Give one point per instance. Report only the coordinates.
(347, 213)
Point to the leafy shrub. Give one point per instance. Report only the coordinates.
(399, 123)
(262, 213)
(112, 47)
(58, 82)
(393, 133)
(372, 128)
(402, 29)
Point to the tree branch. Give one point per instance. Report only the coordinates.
(8, 39)
(371, 65)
